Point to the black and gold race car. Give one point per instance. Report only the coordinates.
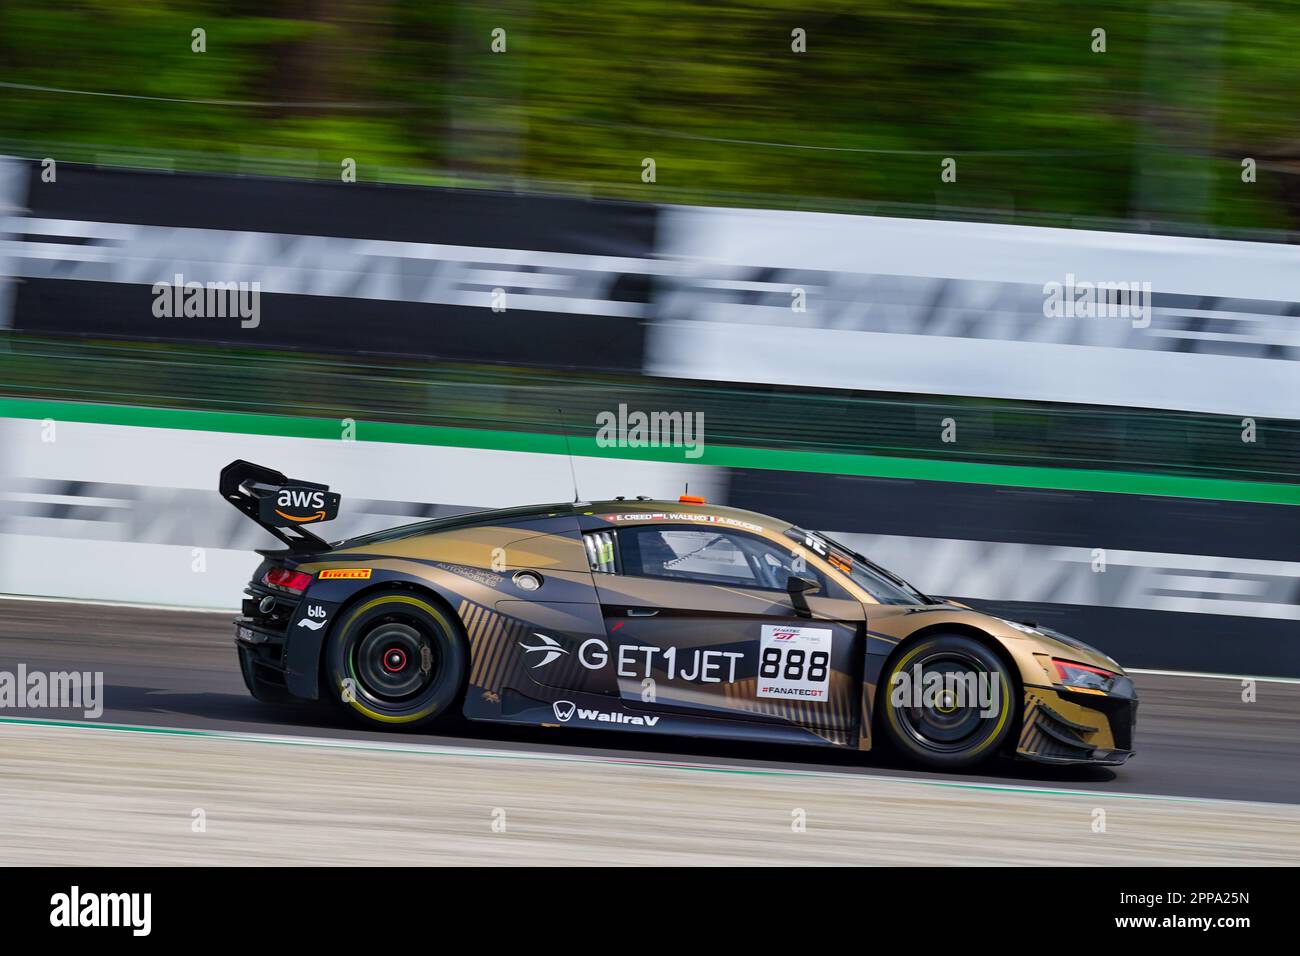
(658, 617)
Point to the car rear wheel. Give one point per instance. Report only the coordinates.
(396, 659)
(947, 701)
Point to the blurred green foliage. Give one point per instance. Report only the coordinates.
(1155, 127)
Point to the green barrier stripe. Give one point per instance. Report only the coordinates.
(732, 456)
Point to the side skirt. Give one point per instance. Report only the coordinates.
(600, 712)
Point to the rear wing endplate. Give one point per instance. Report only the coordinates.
(280, 504)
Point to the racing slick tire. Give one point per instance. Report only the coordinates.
(397, 659)
(939, 729)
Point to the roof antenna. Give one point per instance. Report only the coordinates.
(564, 430)
(689, 499)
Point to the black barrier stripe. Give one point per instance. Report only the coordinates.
(351, 326)
(1173, 640)
(938, 509)
(346, 210)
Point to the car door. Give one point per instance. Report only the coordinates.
(700, 622)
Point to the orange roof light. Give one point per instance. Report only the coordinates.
(692, 500)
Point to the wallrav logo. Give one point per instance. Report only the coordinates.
(626, 429)
(55, 690)
(563, 710)
(74, 909)
(947, 692)
(566, 710)
(208, 300)
(550, 649)
(1098, 300)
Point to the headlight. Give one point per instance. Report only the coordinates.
(1082, 677)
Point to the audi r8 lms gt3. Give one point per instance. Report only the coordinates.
(654, 617)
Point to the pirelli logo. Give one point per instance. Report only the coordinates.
(344, 574)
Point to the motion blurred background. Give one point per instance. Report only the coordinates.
(1154, 128)
(795, 151)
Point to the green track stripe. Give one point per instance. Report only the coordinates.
(832, 463)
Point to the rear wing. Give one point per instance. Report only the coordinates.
(279, 504)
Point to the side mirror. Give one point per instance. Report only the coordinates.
(798, 587)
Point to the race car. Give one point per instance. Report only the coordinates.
(645, 616)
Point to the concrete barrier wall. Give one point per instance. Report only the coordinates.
(807, 299)
(128, 513)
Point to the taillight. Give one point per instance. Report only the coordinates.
(285, 580)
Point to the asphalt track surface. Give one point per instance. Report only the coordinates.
(1196, 736)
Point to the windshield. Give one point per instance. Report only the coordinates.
(885, 586)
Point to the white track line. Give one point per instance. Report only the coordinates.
(665, 763)
(1237, 677)
(38, 599)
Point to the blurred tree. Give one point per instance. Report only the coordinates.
(1036, 119)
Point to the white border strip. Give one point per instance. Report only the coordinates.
(40, 599)
(650, 763)
(1237, 677)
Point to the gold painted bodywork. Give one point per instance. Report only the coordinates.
(471, 566)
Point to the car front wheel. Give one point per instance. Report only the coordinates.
(947, 701)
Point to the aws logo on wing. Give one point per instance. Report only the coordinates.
(298, 504)
(546, 651)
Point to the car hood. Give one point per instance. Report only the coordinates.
(1050, 641)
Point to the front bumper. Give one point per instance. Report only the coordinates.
(1067, 727)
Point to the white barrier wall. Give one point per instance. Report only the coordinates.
(796, 298)
(121, 513)
(953, 308)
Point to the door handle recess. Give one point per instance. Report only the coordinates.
(641, 612)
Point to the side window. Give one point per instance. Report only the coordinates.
(602, 551)
(688, 554)
(707, 556)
